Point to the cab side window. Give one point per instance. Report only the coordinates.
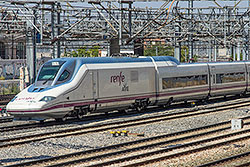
(64, 76)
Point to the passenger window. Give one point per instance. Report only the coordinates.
(64, 76)
(187, 81)
(230, 77)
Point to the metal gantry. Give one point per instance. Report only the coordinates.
(211, 33)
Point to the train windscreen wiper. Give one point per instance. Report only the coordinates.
(48, 79)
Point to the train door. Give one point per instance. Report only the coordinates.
(248, 75)
(94, 76)
(94, 89)
(212, 79)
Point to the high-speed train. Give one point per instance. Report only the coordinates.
(73, 87)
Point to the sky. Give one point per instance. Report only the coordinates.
(243, 3)
(202, 4)
(196, 3)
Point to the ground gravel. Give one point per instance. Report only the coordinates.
(59, 146)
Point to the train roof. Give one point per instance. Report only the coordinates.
(98, 60)
(216, 62)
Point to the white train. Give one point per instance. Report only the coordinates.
(76, 86)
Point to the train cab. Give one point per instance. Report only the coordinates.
(54, 73)
(35, 101)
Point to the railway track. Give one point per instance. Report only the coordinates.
(114, 152)
(4, 116)
(148, 159)
(4, 99)
(242, 160)
(74, 120)
(32, 125)
(115, 125)
(114, 115)
(6, 119)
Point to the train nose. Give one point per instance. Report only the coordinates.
(21, 106)
(23, 111)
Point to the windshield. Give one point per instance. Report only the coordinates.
(49, 71)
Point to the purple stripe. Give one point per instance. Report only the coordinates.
(229, 87)
(184, 92)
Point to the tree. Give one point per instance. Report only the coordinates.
(184, 54)
(85, 52)
(159, 50)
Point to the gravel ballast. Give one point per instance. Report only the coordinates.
(59, 146)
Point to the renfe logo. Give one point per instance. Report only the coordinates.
(117, 78)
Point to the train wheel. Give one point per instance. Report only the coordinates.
(244, 94)
(61, 119)
(141, 108)
(41, 121)
(141, 104)
(123, 111)
(138, 109)
(79, 114)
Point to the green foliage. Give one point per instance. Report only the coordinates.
(185, 55)
(85, 52)
(9, 89)
(236, 56)
(168, 51)
(161, 49)
(15, 89)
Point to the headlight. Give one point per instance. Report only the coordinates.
(47, 98)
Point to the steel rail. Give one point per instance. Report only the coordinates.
(145, 145)
(4, 99)
(53, 123)
(148, 154)
(6, 119)
(175, 155)
(243, 165)
(86, 118)
(224, 160)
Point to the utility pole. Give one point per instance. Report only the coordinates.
(190, 36)
(130, 18)
(52, 28)
(177, 49)
(120, 25)
(31, 48)
(58, 30)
